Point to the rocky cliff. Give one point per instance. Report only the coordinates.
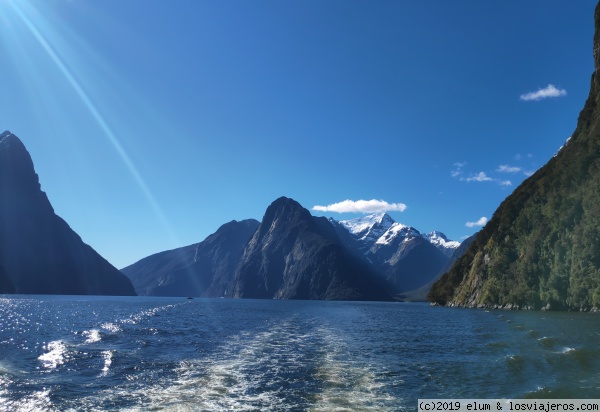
(39, 252)
(294, 255)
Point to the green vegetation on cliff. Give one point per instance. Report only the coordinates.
(542, 246)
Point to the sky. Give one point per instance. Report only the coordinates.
(152, 123)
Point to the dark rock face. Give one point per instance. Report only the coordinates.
(39, 252)
(205, 269)
(293, 255)
(542, 246)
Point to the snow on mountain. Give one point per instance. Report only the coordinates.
(368, 229)
(396, 230)
(381, 229)
(439, 240)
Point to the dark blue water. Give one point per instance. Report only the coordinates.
(99, 353)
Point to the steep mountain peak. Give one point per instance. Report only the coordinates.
(370, 226)
(293, 255)
(284, 210)
(39, 252)
(438, 238)
(397, 230)
(440, 241)
(13, 153)
(435, 235)
(7, 135)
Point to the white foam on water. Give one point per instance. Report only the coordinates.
(92, 336)
(271, 371)
(56, 354)
(348, 385)
(107, 355)
(111, 327)
(38, 401)
(138, 317)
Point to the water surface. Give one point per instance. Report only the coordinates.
(138, 354)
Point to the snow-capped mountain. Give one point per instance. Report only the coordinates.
(395, 231)
(368, 229)
(381, 229)
(439, 240)
(405, 258)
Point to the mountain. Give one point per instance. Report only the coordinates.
(293, 255)
(541, 249)
(380, 228)
(205, 269)
(39, 252)
(420, 294)
(368, 229)
(440, 241)
(402, 255)
(6, 285)
(406, 259)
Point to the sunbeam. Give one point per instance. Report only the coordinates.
(94, 111)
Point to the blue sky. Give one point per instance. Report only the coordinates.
(151, 123)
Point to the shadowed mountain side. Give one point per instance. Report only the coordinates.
(400, 254)
(420, 294)
(39, 252)
(293, 255)
(541, 249)
(205, 269)
(408, 263)
(6, 285)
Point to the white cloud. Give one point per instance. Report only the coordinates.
(504, 182)
(362, 206)
(508, 169)
(548, 91)
(479, 177)
(481, 222)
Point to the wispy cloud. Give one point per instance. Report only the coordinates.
(545, 93)
(479, 177)
(459, 173)
(362, 206)
(508, 169)
(481, 222)
(458, 169)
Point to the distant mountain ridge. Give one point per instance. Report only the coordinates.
(291, 254)
(39, 252)
(204, 269)
(381, 228)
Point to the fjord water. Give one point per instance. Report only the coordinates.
(104, 353)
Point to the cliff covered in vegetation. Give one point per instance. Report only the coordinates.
(541, 249)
